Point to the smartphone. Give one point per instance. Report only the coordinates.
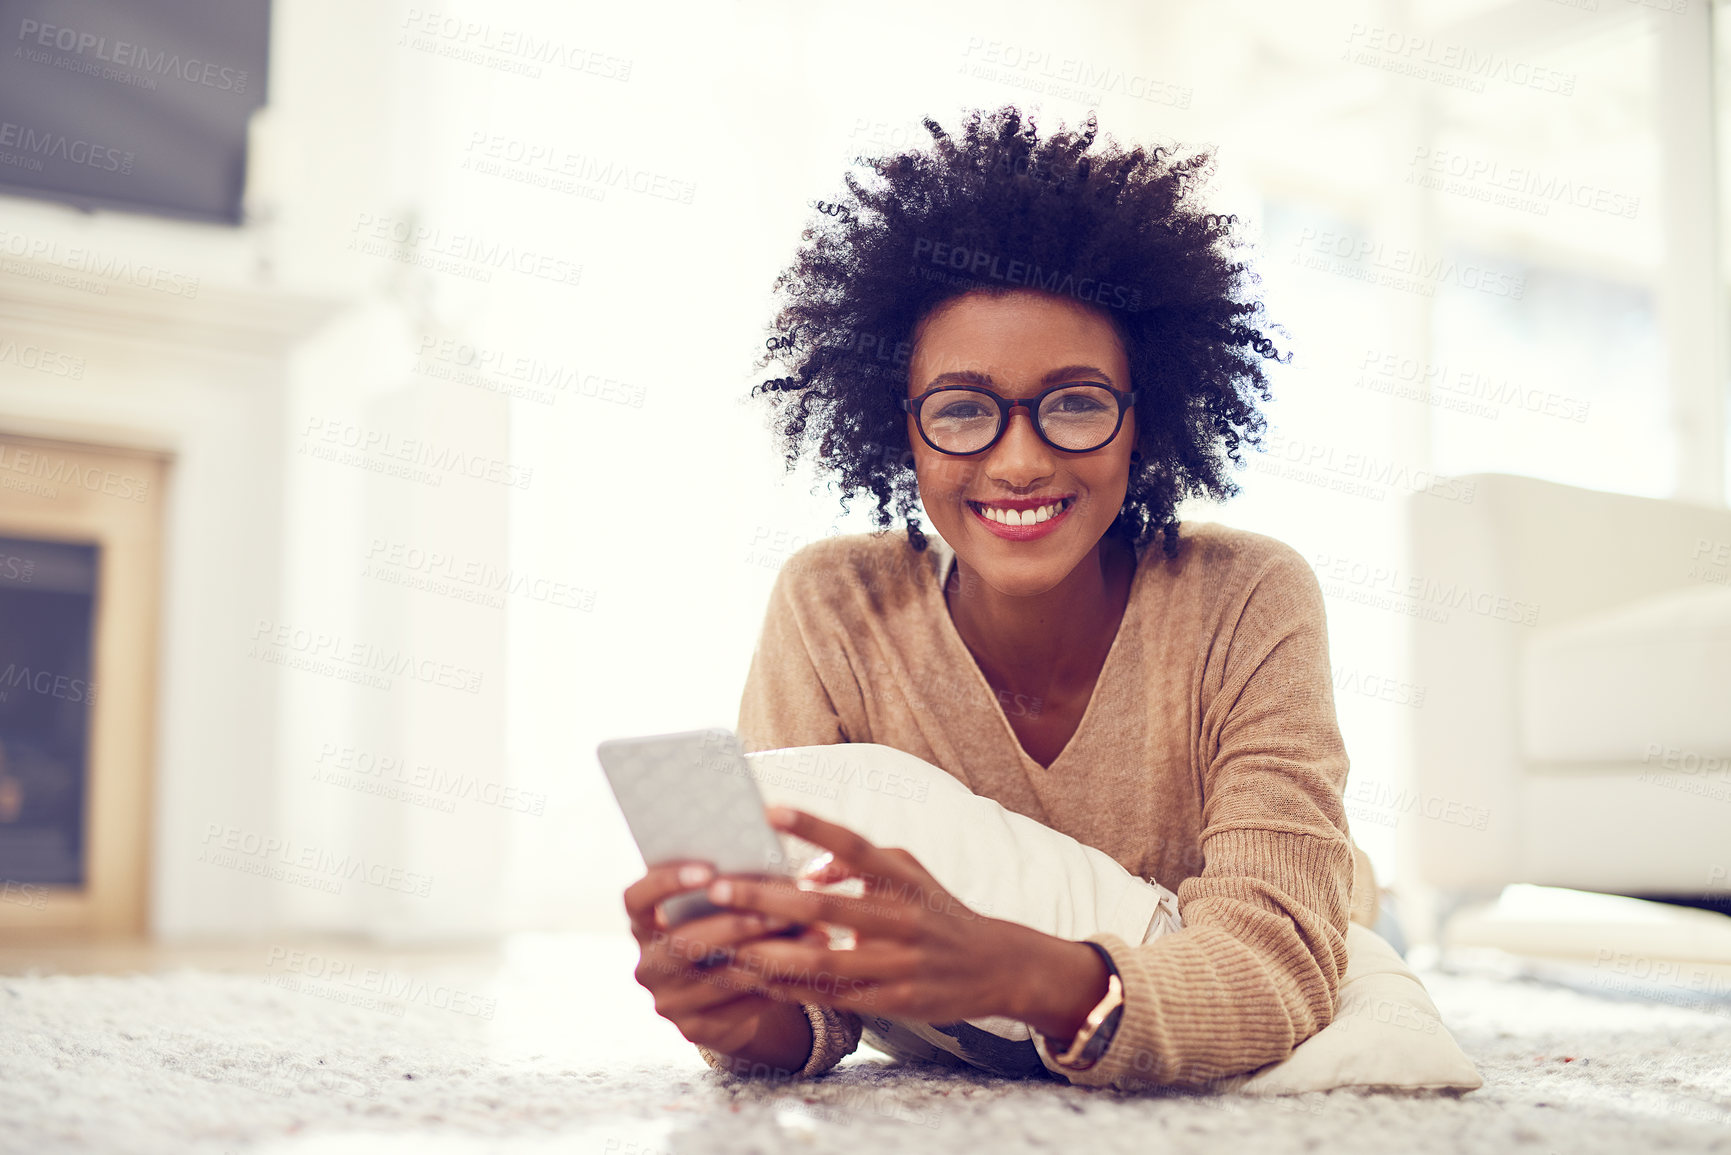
(691, 795)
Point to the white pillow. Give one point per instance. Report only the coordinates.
(1386, 1031)
(996, 862)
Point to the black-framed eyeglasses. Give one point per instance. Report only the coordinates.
(1073, 416)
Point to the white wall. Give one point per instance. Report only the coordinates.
(653, 499)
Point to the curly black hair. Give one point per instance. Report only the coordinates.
(1000, 210)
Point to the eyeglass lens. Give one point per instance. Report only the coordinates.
(1077, 418)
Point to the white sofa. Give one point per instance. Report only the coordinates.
(1577, 697)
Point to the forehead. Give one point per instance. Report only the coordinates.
(1014, 338)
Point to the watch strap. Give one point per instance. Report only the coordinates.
(1091, 1041)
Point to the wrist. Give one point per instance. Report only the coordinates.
(780, 1047)
(1059, 983)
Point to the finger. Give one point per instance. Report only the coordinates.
(747, 977)
(803, 972)
(818, 865)
(694, 998)
(847, 846)
(872, 915)
(828, 873)
(704, 942)
(660, 881)
(789, 961)
(881, 869)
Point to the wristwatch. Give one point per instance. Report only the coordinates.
(1102, 1022)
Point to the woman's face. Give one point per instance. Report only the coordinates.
(1015, 345)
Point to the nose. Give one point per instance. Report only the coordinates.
(1020, 457)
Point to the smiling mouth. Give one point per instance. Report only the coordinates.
(1022, 517)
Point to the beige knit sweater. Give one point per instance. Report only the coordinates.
(1208, 759)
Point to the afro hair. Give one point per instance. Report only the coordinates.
(1000, 210)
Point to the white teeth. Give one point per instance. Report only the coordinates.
(1025, 516)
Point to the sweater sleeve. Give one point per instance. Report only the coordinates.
(834, 1035)
(786, 703)
(1257, 967)
(800, 685)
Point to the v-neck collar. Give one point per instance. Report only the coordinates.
(946, 560)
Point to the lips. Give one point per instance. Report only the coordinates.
(1026, 511)
(988, 516)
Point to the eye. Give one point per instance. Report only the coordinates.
(961, 410)
(1077, 402)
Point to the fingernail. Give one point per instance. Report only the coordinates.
(694, 874)
(722, 891)
(780, 815)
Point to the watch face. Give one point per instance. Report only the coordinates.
(1102, 1038)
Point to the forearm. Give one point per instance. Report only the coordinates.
(1057, 982)
(781, 1046)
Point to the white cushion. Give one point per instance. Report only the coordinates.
(996, 862)
(1386, 1032)
(1643, 682)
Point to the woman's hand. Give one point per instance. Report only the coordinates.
(918, 952)
(707, 1007)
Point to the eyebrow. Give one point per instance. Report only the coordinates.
(973, 377)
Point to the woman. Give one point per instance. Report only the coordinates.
(1047, 346)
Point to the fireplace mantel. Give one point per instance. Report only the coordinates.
(209, 379)
(253, 321)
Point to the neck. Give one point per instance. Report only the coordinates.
(1039, 643)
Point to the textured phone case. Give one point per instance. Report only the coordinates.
(692, 795)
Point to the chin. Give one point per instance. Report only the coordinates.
(1036, 565)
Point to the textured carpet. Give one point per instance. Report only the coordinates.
(329, 1056)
